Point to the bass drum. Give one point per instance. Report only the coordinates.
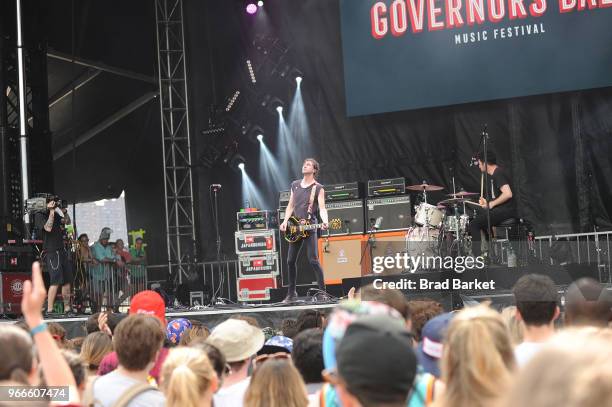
(428, 215)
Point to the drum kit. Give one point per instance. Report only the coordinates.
(446, 224)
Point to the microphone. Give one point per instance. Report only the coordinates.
(378, 223)
(215, 186)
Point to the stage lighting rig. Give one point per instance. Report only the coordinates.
(237, 162)
(260, 3)
(251, 7)
(251, 71)
(232, 101)
(271, 103)
(254, 134)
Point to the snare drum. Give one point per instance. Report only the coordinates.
(429, 215)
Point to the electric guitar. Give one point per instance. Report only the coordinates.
(298, 229)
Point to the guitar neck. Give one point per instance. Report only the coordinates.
(312, 226)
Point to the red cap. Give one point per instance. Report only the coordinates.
(150, 303)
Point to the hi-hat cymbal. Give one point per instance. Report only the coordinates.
(463, 193)
(424, 187)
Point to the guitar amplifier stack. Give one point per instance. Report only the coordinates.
(256, 247)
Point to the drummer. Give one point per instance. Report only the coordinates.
(502, 205)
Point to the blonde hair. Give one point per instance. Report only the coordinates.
(572, 370)
(95, 346)
(477, 358)
(276, 383)
(516, 327)
(186, 376)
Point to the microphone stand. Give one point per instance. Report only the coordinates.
(213, 300)
(485, 144)
(368, 247)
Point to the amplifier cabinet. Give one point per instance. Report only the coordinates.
(343, 192)
(394, 210)
(391, 186)
(340, 257)
(352, 216)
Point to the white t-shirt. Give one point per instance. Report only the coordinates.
(232, 396)
(525, 351)
(108, 388)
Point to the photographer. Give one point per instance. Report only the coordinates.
(55, 257)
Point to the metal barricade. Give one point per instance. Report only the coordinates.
(112, 286)
(578, 248)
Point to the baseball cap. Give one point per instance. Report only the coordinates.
(236, 339)
(345, 314)
(176, 328)
(429, 351)
(105, 233)
(376, 357)
(150, 303)
(277, 344)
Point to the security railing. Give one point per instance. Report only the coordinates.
(109, 285)
(578, 248)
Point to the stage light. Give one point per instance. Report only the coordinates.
(251, 8)
(260, 3)
(298, 80)
(232, 101)
(251, 71)
(279, 110)
(237, 162)
(260, 138)
(254, 133)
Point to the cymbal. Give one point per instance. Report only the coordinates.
(453, 201)
(424, 187)
(463, 193)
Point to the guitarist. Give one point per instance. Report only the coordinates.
(307, 198)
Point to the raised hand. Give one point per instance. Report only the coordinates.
(34, 295)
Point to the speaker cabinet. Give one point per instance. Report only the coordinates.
(350, 214)
(386, 244)
(340, 257)
(395, 212)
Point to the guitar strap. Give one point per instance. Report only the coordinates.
(311, 200)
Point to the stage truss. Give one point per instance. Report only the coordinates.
(174, 110)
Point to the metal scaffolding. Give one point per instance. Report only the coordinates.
(174, 110)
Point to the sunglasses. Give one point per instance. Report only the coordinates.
(259, 360)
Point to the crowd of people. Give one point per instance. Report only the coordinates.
(376, 349)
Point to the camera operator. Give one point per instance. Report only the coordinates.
(55, 257)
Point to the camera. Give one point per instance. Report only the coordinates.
(39, 202)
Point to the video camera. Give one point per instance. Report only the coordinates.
(39, 203)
